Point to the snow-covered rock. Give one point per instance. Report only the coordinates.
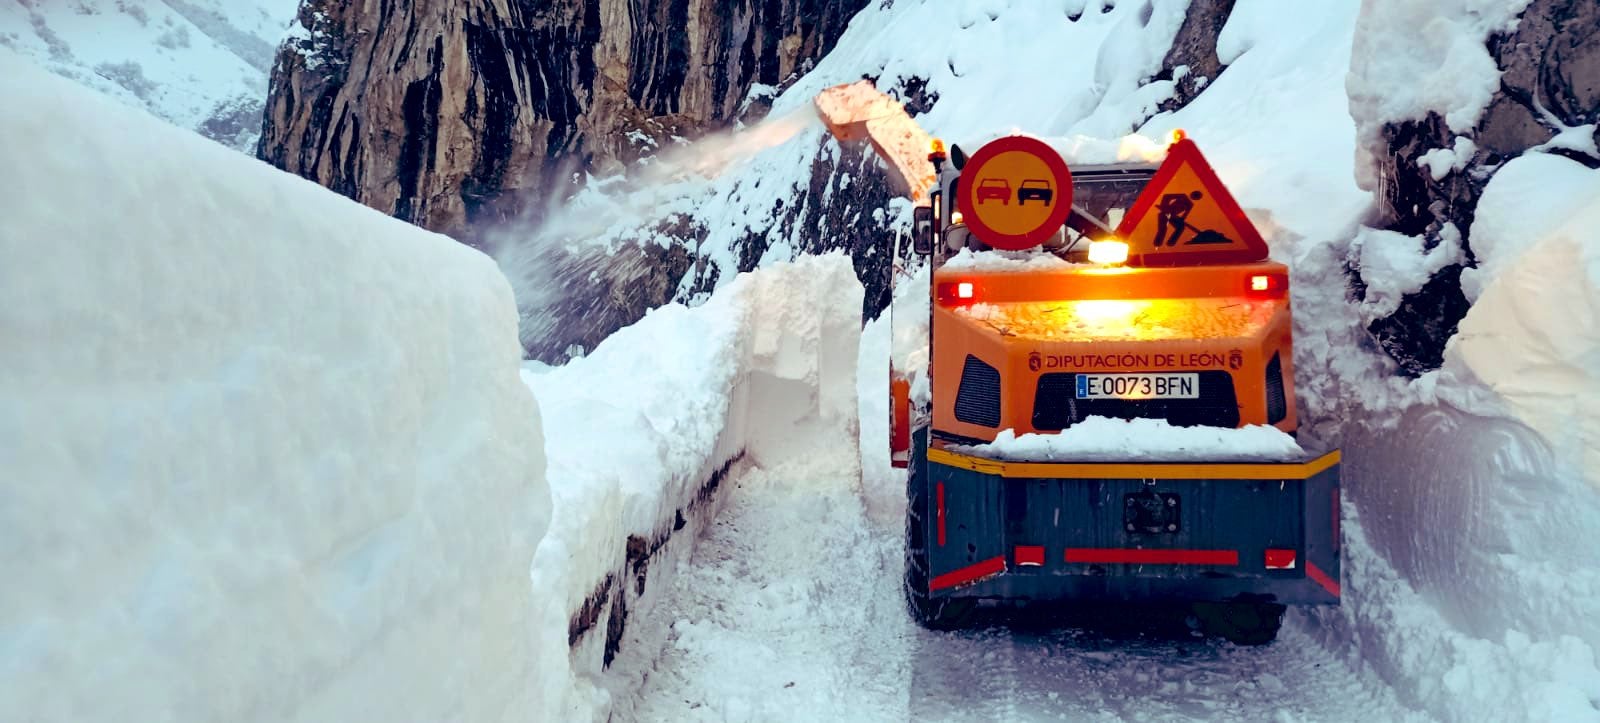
(266, 454)
(200, 64)
(1442, 94)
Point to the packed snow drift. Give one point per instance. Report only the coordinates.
(642, 435)
(266, 454)
(1098, 439)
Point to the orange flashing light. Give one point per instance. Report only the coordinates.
(1177, 135)
(936, 150)
(1108, 252)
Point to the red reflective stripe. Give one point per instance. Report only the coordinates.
(971, 573)
(938, 514)
(1029, 555)
(1321, 578)
(1280, 559)
(1115, 556)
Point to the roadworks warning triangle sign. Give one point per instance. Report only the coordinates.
(1186, 217)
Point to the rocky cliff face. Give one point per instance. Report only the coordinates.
(455, 115)
(1549, 82)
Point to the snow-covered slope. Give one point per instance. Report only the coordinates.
(258, 464)
(200, 64)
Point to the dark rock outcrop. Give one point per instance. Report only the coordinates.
(1194, 49)
(1550, 68)
(457, 115)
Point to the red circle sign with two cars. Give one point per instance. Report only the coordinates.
(1015, 192)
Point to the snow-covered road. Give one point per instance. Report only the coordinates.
(791, 610)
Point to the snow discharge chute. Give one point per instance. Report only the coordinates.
(859, 111)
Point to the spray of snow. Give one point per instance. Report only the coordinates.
(580, 235)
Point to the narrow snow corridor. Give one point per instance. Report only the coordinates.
(791, 609)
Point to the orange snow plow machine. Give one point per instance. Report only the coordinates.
(1126, 291)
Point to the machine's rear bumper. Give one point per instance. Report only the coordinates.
(1053, 531)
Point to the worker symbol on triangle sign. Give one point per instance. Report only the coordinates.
(1186, 217)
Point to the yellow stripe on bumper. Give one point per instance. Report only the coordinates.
(1126, 470)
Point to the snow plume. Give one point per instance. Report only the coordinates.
(627, 231)
(265, 452)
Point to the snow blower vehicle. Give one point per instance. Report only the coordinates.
(1177, 315)
(1043, 318)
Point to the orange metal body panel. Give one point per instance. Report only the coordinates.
(1093, 319)
(899, 419)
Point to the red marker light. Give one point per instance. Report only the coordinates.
(1267, 286)
(956, 293)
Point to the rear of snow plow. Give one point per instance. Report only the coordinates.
(1046, 321)
(1250, 535)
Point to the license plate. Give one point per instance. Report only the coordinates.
(1138, 386)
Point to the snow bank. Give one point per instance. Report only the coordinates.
(1527, 201)
(639, 429)
(1534, 334)
(1005, 261)
(266, 453)
(1099, 439)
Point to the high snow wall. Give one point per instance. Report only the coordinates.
(266, 454)
(655, 424)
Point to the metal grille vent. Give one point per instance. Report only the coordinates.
(978, 398)
(1277, 406)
